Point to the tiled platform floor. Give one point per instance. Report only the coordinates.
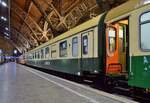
(21, 84)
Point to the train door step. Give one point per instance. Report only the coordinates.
(122, 89)
(124, 74)
(122, 83)
(88, 81)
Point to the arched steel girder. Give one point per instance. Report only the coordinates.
(19, 38)
(28, 4)
(48, 16)
(21, 14)
(22, 33)
(28, 26)
(11, 42)
(30, 23)
(43, 12)
(25, 41)
(25, 15)
(18, 41)
(20, 49)
(66, 21)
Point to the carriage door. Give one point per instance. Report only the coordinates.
(86, 50)
(112, 53)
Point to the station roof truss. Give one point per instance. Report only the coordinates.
(34, 22)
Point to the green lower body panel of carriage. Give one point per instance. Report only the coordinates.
(71, 66)
(139, 73)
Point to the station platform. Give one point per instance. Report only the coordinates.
(21, 84)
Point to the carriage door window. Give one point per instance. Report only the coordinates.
(32, 55)
(112, 39)
(38, 54)
(63, 49)
(54, 51)
(47, 52)
(122, 38)
(42, 54)
(145, 31)
(85, 44)
(75, 47)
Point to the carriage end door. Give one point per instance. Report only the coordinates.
(112, 55)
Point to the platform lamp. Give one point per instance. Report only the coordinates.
(15, 52)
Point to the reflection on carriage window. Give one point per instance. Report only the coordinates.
(112, 39)
(63, 49)
(145, 31)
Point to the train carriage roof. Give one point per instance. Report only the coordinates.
(123, 9)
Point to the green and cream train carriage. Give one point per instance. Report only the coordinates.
(114, 44)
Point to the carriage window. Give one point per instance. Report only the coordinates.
(32, 55)
(112, 39)
(42, 53)
(145, 31)
(47, 52)
(63, 49)
(35, 55)
(38, 54)
(75, 47)
(53, 51)
(85, 44)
